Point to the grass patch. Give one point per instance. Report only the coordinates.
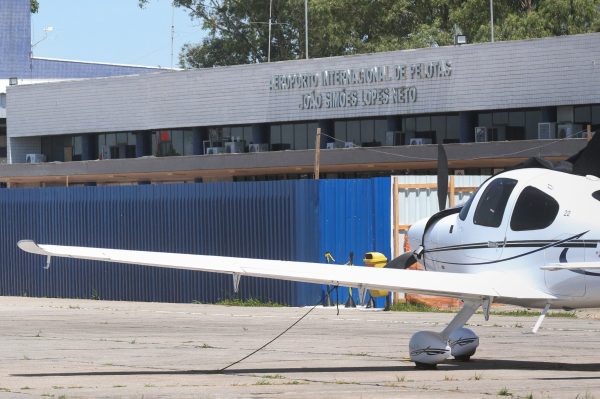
(532, 313)
(421, 307)
(414, 307)
(204, 346)
(476, 377)
(251, 302)
(504, 392)
(274, 376)
(262, 382)
(95, 295)
(294, 382)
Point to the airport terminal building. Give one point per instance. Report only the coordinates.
(492, 104)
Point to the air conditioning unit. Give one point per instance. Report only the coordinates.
(333, 145)
(569, 131)
(419, 141)
(235, 147)
(546, 130)
(349, 144)
(258, 148)
(215, 150)
(482, 134)
(35, 158)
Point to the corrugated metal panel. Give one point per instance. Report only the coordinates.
(355, 217)
(291, 220)
(276, 220)
(416, 204)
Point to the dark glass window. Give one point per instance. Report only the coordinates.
(596, 195)
(492, 203)
(534, 210)
(467, 205)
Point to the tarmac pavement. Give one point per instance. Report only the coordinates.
(83, 348)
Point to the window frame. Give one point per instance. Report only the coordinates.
(500, 203)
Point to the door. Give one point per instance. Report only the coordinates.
(484, 233)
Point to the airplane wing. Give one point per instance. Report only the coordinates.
(571, 266)
(488, 284)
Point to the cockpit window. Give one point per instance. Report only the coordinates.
(534, 210)
(465, 208)
(492, 203)
(596, 195)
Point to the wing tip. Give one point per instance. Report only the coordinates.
(31, 247)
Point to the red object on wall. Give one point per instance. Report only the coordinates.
(165, 135)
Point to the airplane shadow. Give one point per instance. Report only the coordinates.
(475, 365)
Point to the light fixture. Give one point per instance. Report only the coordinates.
(13, 81)
(460, 39)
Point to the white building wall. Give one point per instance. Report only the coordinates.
(503, 75)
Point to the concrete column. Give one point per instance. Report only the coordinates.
(143, 143)
(89, 147)
(260, 133)
(327, 127)
(200, 134)
(467, 121)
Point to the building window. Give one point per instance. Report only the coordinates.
(173, 143)
(300, 136)
(116, 145)
(595, 114)
(452, 129)
(275, 134)
(532, 118)
(77, 146)
(57, 148)
(381, 128)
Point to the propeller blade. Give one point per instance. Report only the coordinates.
(442, 177)
(403, 261)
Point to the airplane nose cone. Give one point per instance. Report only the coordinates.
(415, 234)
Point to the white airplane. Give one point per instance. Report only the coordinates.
(528, 237)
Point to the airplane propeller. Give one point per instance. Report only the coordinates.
(403, 261)
(409, 258)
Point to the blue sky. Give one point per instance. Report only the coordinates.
(113, 31)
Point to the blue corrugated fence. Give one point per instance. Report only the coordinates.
(292, 220)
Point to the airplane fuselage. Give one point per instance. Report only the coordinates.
(517, 222)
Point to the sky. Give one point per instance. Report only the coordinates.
(112, 31)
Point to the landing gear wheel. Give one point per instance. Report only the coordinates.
(463, 358)
(425, 366)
